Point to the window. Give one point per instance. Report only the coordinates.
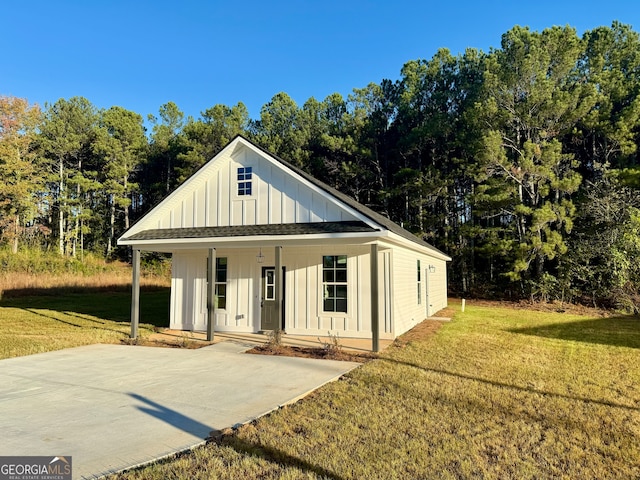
(245, 175)
(419, 284)
(334, 283)
(270, 285)
(221, 283)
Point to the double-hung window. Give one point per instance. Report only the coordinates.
(245, 177)
(334, 283)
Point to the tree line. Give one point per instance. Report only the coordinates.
(521, 162)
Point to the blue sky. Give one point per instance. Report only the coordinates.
(142, 54)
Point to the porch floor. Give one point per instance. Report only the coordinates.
(184, 337)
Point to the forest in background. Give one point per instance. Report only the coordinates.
(521, 163)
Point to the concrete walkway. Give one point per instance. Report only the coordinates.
(111, 407)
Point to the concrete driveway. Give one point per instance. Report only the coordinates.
(111, 407)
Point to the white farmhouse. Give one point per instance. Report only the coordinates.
(257, 244)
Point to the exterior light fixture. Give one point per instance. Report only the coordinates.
(260, 256)
(432, 269)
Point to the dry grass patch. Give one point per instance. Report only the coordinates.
(34, 272)
(496, 393)
(22, 284)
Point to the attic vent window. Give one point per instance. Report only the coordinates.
(244, 180)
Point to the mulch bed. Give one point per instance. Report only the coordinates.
(311, 352)
(419, 332)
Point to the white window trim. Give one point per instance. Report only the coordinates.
(236, 182)
(347, 284)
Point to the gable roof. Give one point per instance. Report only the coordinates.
(135, 234)
(360, 208)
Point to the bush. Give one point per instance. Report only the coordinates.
(156, 264)
(34, 261)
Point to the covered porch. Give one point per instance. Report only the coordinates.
(276, 283)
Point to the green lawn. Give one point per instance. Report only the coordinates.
(39, 324)
(496, 393)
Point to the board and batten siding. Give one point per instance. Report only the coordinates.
(188, 310)
(187, 274)
(304, 313)
(210, 199)
(280, 195)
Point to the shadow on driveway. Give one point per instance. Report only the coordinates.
(172, 417)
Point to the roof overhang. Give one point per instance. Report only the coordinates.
(252, 242)
(396, 239)
(253, 236)
(238, 236)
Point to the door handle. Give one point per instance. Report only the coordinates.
(262, 302)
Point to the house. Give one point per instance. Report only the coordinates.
(257, 244)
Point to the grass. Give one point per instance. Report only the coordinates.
(35, 324)
(33, 272)
(497, 393)
(25, 284)
(49, 302)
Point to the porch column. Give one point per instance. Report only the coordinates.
(278, 287)
(211, 304)
(135, 293)
(375, 291)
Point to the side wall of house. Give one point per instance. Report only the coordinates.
(416, 299)
(436, 286)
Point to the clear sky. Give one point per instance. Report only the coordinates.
(140, 54)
